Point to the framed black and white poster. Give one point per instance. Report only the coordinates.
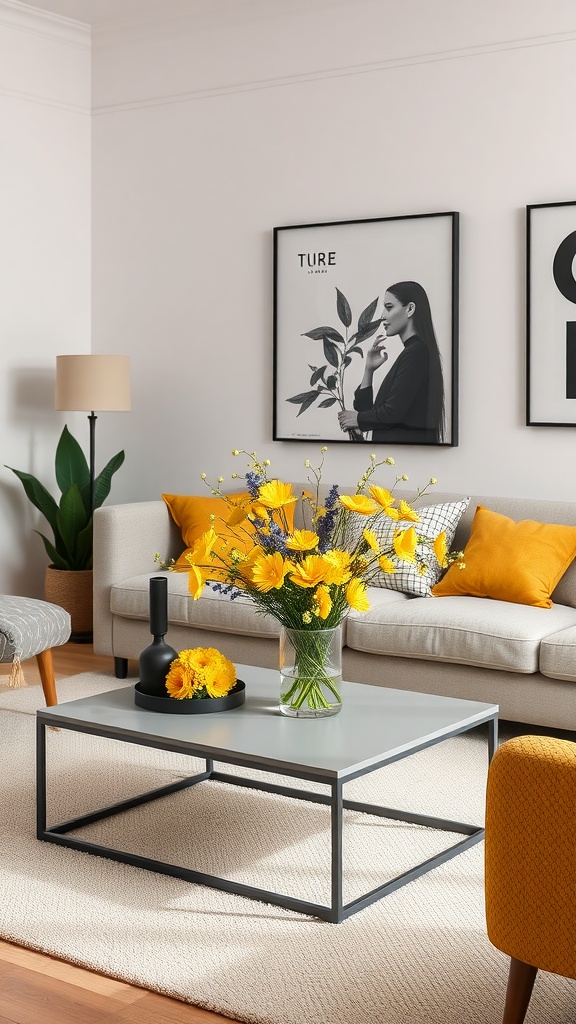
(551, 315)
(366, 331)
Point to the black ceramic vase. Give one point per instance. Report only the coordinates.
(156, 659)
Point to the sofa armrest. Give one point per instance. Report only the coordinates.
(126, 538)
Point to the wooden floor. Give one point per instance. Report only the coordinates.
(35, 988)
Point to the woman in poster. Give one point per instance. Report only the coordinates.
(409, 405)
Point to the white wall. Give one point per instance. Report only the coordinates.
(214, 126)
(44, 260)
(255, 115)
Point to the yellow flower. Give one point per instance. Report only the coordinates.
(202, 671)
(222, 679)
(196, 579)
(386, 564)
(356, 596)
(202, 550)
(237, 515)
(338, 566)
(179, 681)
(245, 563)
(275, 494)
(358, 503)
(441, 548)
(303, 540)
(405, 542)
(268, 572)
(371, 540)
(391, 512)
(407, 512)
(258, 511)
(322, 602)
(311, 571)
(381, 496)
(200, 560)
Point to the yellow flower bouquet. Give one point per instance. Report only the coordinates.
(309, 577)
(200, 672)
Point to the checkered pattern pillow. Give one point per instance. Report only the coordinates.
(433, 520)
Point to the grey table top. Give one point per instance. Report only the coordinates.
(376, 725)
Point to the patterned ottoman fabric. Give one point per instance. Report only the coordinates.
(530, 852)
(29, 626)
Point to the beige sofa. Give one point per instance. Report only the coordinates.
(520, 657)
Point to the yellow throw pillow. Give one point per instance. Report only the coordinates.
(509, 561)
(192, 514)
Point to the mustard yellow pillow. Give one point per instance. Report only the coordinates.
(509, 561)
(192, 513)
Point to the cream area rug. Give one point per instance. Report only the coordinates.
(419, 955)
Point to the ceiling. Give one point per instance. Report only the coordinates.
(105, 12)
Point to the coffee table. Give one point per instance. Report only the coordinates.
(376, 727)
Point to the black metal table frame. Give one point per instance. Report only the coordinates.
(337, 911)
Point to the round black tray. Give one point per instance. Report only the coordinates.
(191, 706)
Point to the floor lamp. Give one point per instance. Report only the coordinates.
(93, 384)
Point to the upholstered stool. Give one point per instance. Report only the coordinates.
(530, 853)
(30, 629)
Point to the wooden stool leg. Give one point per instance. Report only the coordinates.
(521, 979)
(46, 668)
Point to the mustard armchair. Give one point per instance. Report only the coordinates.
(530, 861)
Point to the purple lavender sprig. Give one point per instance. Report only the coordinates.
(226, 589)
(326, 523)
(332, 498)
(253, 482)
(275, 539)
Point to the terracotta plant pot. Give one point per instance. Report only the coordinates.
(72, 590)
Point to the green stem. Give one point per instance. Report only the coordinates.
(310, 654)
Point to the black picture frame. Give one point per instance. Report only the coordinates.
(329, 285)
(550, 315)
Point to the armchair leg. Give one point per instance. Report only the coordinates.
(521, 979)
(46, 669)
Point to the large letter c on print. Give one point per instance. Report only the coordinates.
(562, 267)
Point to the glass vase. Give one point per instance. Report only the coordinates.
(310, 672)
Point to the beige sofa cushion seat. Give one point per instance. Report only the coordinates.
(216, 611)
(465, 630)
(558, 655)
(213, 611)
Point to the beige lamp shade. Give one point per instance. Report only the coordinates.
(93, 383)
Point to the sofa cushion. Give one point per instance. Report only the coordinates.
(510, 561)
(193, 512)
(218, 611)
(433, 520)
(212, 610)
(380, 599)
(465, 630)
(558, 655)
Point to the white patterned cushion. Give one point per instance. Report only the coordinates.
(29, 626)
(433, 520)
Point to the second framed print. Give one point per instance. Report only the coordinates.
(551, 315)
(366, 331)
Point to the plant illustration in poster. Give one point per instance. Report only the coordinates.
(338, 349)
